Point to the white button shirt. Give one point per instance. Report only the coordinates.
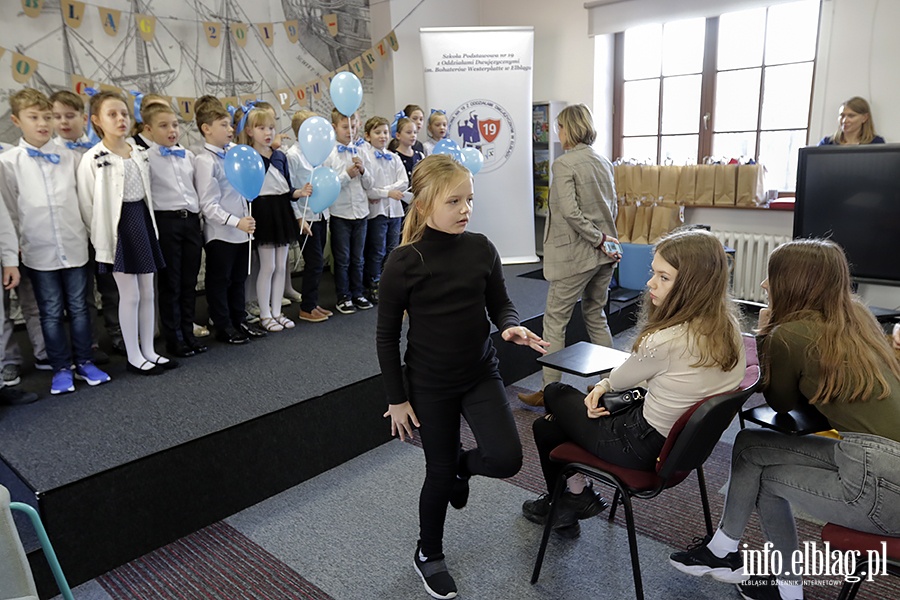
(172, 180)
(222, 205)
(43, 206)
(387, 175)
(301, 171)
(352, 202)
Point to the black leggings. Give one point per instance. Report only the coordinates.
(498, 453)
(626, 440)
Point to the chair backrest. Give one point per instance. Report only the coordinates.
(16, 580)
(695, 434)
(634, 268)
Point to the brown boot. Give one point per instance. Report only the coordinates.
(535, 399)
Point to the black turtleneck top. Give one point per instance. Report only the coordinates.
(449, 285)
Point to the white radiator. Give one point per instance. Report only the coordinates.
(751, 259)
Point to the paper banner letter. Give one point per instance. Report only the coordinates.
(32, 8)
(239, 31)
(381, 47)
(300, 93)
(284, 98)
(23, 67)
(392, 40)
(2, 52)
(230, 101)
(266, 32)
(317, 86)
(109, 18)
(213, 33)
(332, 23)
(185, 108)
(342, 68)
(245, 98)
(146, 25)
(327, 79)
(105, 87)
(356, 66)
(370, 58)
(79, 83)
(292, 28)
(73, 12)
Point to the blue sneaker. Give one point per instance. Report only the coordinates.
(63, 382)
(91, 374)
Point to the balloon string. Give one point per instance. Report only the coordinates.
(250, 245)
(305, 206)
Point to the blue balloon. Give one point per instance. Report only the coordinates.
(449, 147)
(346, 93)
(245, 171)
(316, 139)
(325, 189)
(472, 159)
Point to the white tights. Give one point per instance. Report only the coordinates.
(136, 318)
(270, 282)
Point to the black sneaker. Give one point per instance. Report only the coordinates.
(459, 495)
(759, 588)
(13, 397)
(434, 574)
(362, 303)
(345, 306)
(537, 510)
(372, 294)
(697, 560)
(575, 507)
(42, 364)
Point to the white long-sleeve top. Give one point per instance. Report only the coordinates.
(388, 174)
(101, 188)
(301, 170)
(663, 359)
(172, 180)
(352, 202)
(43, 205)
(221, 204)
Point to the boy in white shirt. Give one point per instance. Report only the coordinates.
(37, 183)
(349, 214)
(176, 207)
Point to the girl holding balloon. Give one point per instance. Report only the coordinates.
(276, 225)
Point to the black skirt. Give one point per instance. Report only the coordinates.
(276, 224)
(137, 247)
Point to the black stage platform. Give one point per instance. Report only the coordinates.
(119, 470)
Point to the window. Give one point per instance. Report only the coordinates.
(737, 85)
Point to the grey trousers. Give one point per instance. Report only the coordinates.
(854, 482)
(12, 355)
(593, 288)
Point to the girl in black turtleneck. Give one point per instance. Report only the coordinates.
(449, 282)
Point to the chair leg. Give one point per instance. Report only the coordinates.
(615, 503)
(850, 588)
(47, 547)
(704, 499)
(632, 544)
(548, 524)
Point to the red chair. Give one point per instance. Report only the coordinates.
(689, 444)
(843, 539)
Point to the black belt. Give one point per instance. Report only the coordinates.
(175, 214)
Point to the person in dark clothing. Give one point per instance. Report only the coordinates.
(448, 281)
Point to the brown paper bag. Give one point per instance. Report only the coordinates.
(668, 183)
(687, 185)
(726, 182)
(627, 213)
(617, 181)
(665, 219)
(633, 184)
(640, 234)
(706, 185)
(751, 185)
(620, 220)
(649, 184)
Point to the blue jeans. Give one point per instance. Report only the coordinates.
(57, 293)
(852, 482)
(348, 238)
(382, 236)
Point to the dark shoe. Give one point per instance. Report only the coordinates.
(180, 349)
(433, 571)
(118, 346)
(575, 507)
(362, 303)
(42, 364)
(372, 294)
(99, 357)
(535, 399)
(253, 330)
(459, 495)
(230, 336)
(570, 532)
(166, 366)
(759, 588)
(196, 345)
(9, 397)
(537, 510)
(12, 375)
(345, 306)
(697, 560)
(154, 370)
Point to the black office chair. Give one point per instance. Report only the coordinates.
(690, 442)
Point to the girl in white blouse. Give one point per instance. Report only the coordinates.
(688, 347)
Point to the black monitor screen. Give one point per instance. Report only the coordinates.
(851, 194)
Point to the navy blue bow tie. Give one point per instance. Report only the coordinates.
(384, 155)
(343, 148)
(171, 152)
(54, 158)
(76, 145)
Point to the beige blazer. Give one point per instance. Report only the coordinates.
(582, 208)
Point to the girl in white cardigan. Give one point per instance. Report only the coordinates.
(114, 193)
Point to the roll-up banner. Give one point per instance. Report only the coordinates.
(481, 77)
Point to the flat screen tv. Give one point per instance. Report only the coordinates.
(851, 194)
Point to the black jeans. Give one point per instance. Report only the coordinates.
(181, 242)
(313, 263)
(498, 454)
(626, 440)
(226, 272)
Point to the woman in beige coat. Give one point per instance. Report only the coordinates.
(582, 217)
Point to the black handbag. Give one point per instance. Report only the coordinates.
(619, 402)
